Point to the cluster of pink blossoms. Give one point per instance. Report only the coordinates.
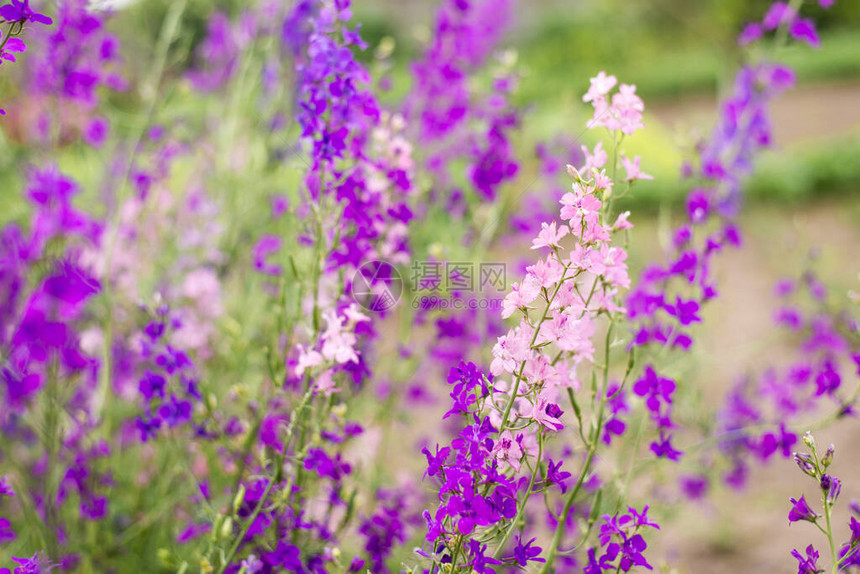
(574, 288)
(622, 112)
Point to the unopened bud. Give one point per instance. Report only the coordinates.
(573, 172)
(804, 461)
(809, 440)
(832, 486)
(828, 456)
(163, 555)
(239, 499)
(226, 528)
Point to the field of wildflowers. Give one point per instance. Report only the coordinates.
(272, 302)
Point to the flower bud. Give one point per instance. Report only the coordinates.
(809, 440)
(832, 486)
(163, 555)
(828, 456)
(239, 499)
(226, 528)
(804, 461)
(573, 172)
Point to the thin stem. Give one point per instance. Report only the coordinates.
(586, 468)
(521, 508)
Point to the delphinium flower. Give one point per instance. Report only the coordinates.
(36, 564)
(620, 540)
(782, 397)
(352, 210)
(168, 384)
(15, 17)
(666, 301)
(217, 56)
(453, 116)
(75, 58)
(816, 465)
(360, 164)
(49, 282)
(512, 412)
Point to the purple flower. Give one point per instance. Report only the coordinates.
(657, 389)
(266, 246)
(809, 563)
(831, 486)
(804, 30)
(152, 385)
(663, 448)
(36, 564)
(554, 475)
(801, 511)
(686, 312)
(523, 553)
(752, 32)
(20, 11)
(694, 487)
(435, 463)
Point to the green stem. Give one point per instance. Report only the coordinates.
(521, 508)
(586, 468)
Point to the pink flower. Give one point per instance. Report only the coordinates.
(605, 301)
(325, 384)
(546, 413)
(578, 205)
(628, 108)
(622, 223)
(803, 29)
(778, 14)
(569, 334)
(751, 33)
(594, 160)
(549, 236)
(353, 315)
(546, 274)
(520, 296)
(611, 266)
(307, 360)
(538, 370)
(512, 349)
(600, 86)
(567, 378)
(507, 449)
(568, 300)
(338, 344)
(632, 169)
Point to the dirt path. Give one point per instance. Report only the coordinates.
(805, 113)
(749, 532)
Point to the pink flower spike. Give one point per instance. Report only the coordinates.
(632, 169)
(549, 236)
